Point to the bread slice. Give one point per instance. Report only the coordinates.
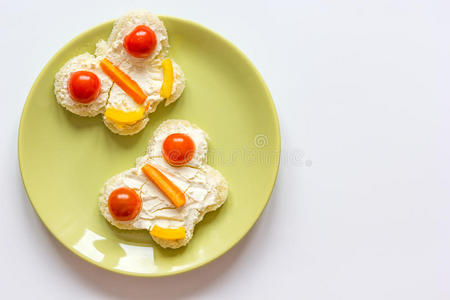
(199, 178)
(146, 72)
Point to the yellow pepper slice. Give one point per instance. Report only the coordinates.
(166, 87)
(124, 117)
(168, 233)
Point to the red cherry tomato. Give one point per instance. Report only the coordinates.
(178, 149)
(124, 204)
(83, 86)
(140, 42)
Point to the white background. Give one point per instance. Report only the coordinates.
(362, 202)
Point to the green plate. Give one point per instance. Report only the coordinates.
(65, 159)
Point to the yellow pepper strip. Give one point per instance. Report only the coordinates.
(124, 81)
(168, 233)
(124, 117)
(166, 88)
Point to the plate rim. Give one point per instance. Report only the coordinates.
(190, 267)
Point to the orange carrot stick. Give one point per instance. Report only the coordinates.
(124, 81)
(166, 186)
